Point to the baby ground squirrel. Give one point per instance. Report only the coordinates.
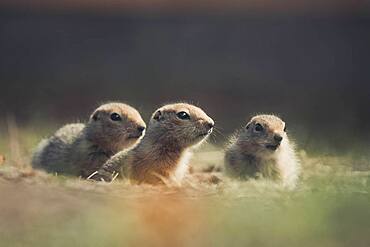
(262, 149)
(80, 149)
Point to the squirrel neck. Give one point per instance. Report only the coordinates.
(98, 144)
(159, 147)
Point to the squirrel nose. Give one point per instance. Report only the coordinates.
(278, 138)
(141, 129)
(210, 125)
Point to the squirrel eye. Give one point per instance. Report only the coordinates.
(115, 117)
(183, 115)
(258, 127)
(247, 127)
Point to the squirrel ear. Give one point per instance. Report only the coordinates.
(158, 116)
(95, 116)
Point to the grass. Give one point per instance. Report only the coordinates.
(330, 207)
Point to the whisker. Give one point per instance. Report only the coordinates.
(218, 127)
(218, 131)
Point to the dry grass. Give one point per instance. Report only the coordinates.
(330, 207)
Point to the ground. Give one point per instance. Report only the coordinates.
(330, 206)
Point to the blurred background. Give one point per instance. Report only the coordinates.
(307, 61)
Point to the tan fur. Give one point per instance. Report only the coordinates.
(80, 149)
(252, 154)
(165, 150)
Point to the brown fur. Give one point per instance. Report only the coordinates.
(79, 149)
(255, 154)
(164, 152)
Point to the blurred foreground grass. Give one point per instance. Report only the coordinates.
(330, 207)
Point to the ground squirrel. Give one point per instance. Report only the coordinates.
(163, 154)
(80, 149)
(262, 149)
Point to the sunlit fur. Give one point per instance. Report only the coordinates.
(165, 150)
(79, 149)
(248, 155)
